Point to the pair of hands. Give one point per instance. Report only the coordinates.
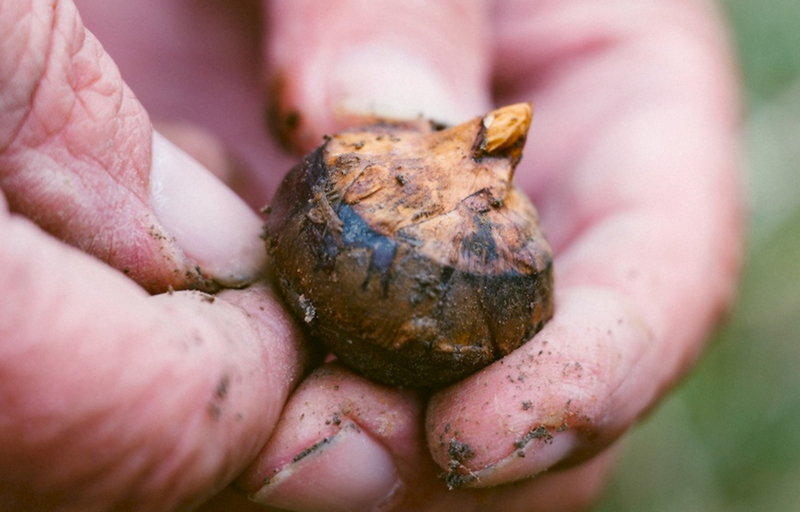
(113, 397)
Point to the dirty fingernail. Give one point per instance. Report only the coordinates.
(394, 84)
(346, 471)
(206, 219)
(530, 458)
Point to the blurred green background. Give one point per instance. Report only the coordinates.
(729, 439)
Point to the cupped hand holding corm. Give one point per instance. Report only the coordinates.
(147, 363)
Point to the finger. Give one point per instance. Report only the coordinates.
(78, 155)
(586, 66)
(344, 443)
(111, 397)
(335, 446)
(204, 147)
(333, 65)
(642, 206)
(562, 394)
(197, 63)
(221, 160)
(643, 192)
(570, 490)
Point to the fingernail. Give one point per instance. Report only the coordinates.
(347, 471)
(382, 81)
(532, 456)
(207, 220)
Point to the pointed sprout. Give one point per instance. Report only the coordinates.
(506, 128)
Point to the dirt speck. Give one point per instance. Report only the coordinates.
(223, 386)
(311, 449)
(459, 453)
(457, 480)
(539, 432)
(335, 420)
(458, 474)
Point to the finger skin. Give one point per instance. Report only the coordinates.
(586, 244)
(563, 394)
(111, 399)
(331, 401)
(633, 165)
(48, 124)
(76, 155)
(338, 65)
(569, 490)
(645, 217)
(199, 63)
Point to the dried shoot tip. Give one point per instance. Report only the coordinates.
(505, 127)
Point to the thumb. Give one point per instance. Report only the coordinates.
(335, 64)
(79, 157)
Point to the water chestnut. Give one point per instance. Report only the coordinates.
(405, 248)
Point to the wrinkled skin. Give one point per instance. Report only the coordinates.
(115, 398)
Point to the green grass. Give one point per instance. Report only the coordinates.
(768, 38)
(729, 438)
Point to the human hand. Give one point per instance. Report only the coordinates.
(644, 260)
(631, 160)
(111, 398)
